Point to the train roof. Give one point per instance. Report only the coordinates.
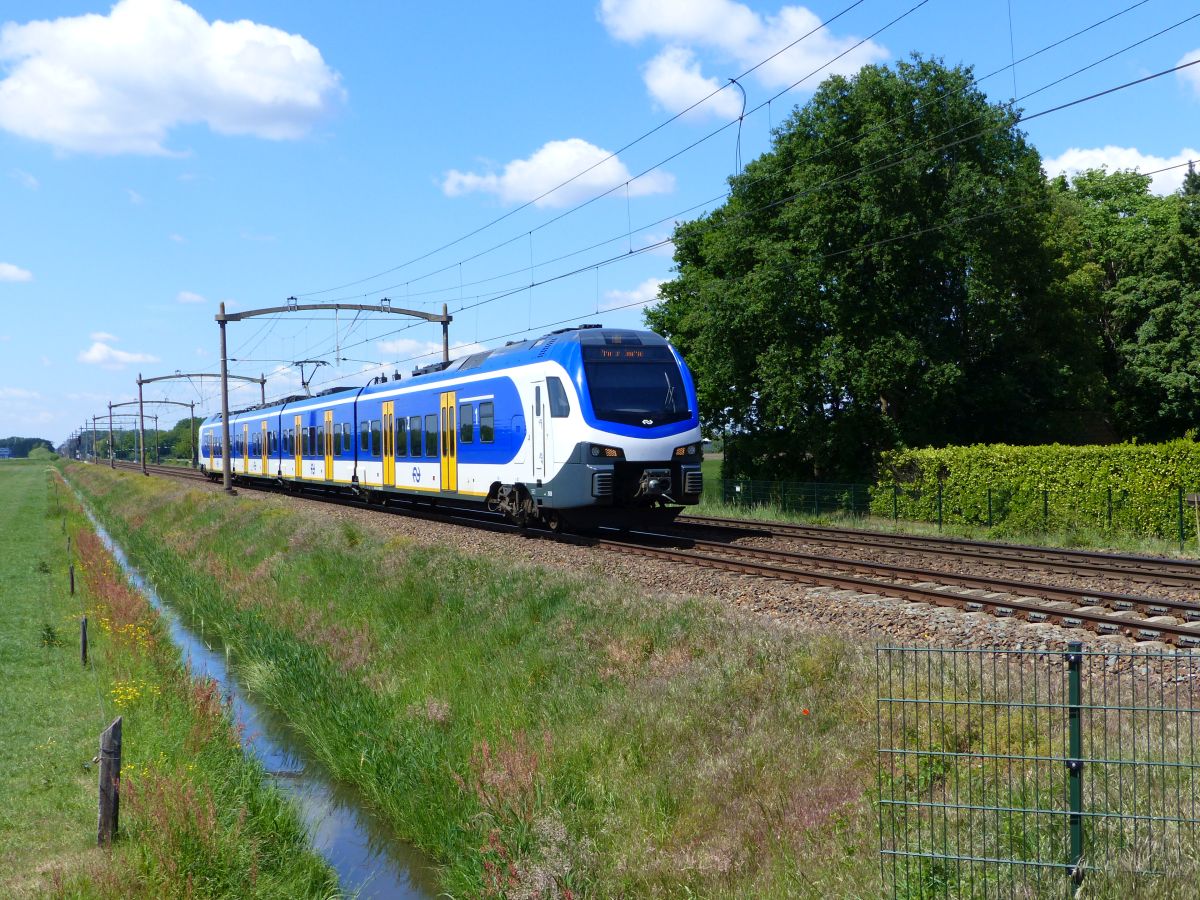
(555, 345)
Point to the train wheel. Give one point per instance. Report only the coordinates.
(554, 521)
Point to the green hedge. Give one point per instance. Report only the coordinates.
(1123, 487)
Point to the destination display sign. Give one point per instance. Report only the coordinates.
(626, 354)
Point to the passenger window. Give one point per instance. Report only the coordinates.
(414, 435)
(274, 441)
(560, 406)
(431, 435)
(401, 437)
(364, 437)
(487, 422)
(466, 424)
(321, 441)
(312, 438)
(347, 437)
(537, 400)
(376, 433)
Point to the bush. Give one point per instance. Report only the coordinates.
(1127, 487)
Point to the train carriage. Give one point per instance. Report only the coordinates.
(583, 426)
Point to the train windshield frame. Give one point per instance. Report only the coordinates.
(635, 385)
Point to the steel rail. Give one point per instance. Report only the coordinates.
(1169, 572)
(1101, 623)
(1079, 596)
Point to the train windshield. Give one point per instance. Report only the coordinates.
(635, 385)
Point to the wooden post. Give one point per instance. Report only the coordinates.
(71, 571)
(110, 783)
(83, 640)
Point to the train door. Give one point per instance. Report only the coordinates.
(449, 441)
(328, 448)
(389, 443)
(266, 449)
(537, 430)
(246, 449)
(212, 450)
(297, 448)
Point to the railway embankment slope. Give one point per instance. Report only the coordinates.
(539, 732)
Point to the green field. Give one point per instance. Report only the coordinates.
(536, 733)
(195, 815)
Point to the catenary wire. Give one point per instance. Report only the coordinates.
(843, 143)
(590, 168)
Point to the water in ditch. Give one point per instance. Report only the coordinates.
(369, 858)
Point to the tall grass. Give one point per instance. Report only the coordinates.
(539, 734)
(198, 818)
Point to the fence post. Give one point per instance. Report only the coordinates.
(83, 640)
(1075, 755)
(71, 575)
(989, 490)
(939, 504)
(110, 782)
(1181, 520)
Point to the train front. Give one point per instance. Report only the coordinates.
(639, 406)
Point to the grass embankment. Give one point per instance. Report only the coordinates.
(196, 816)
(540, 734)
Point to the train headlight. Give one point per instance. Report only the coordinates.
(602, 452)
(692, 450)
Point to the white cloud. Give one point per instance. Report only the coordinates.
(134, 197)
(119, 83)
(525, 179)
(190, 297)
(177, 238)
(666, 246)
(1077, 160)
(11, 393)
(27, 181)
(642, 295)
(674, 81)
(20, 407)
(9, 272)
(698, 21)
(104, 336)
(409, 350)
(1190, 77)
(732, 35)
(101, 354)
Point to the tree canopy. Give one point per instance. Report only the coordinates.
(897, 271)
(21, 446)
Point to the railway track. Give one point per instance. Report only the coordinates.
(1135, 616)
(1144, 569)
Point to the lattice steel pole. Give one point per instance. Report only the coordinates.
(141, 426)
(226, 474)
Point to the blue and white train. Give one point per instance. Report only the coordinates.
(582, 427)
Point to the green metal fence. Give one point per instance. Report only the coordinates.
(1167, 515)
(808, 497)
(1035, 773)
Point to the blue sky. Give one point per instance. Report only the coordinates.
(157, 158)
